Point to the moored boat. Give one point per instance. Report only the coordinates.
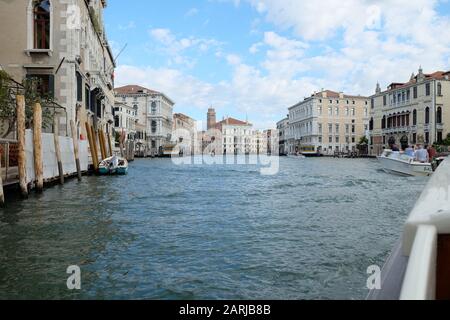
(113, 165)
(402, 164)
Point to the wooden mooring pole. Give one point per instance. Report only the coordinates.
(37, 142)
(91, 145)
(110, 145)
(22, 161)
(94, 142)
(102, 144)
(2, 195)
(58, 148)
(74, 129)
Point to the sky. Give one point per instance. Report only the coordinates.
(253, 59)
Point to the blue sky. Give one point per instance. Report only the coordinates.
(258, 57)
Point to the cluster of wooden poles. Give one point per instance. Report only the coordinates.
(93, 136)
(99, 135)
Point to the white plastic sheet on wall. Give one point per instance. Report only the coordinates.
(49, 156)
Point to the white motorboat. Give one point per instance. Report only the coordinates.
(296, 156)
(419, 265)
(402, 164)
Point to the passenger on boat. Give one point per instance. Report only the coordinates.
(431, 153)
(395, 148)
(422, 154)
(410, 152)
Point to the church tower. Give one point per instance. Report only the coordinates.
(211, 118)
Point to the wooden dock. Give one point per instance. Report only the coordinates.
(12, 178)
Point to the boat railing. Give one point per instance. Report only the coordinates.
(425, 241)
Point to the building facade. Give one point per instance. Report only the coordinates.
(328, 122)
(282, 128)
(237, 136)
(411, 112)
(125, 118)
(185, 133)
(154, 112)
(63, 44)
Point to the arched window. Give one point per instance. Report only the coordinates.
(415, 117)
(383, 123)
(41, 18)
(153, 107)
(427, 115)
(154, 126)
(439, 115)
(371, 124)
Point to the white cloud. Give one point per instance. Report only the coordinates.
(191, 12)
(340, 45)
(175, 48)
(129, 26)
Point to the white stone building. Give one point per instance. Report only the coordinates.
(185, 134)
(328, 122)
(125, 118)
(282, 128)
(154, 112)
(237, 136)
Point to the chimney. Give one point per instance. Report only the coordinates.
(341, 95)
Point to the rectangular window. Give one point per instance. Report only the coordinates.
(337, 139)
(330, 128)
(79, 87)
(320, 128)
(330, 139)
(428, 89)
(372, 103)
(337, 128)
(87, 97)
(415, 95)
(45, 84)
(384, 100)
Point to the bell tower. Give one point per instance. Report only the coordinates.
(211, 118)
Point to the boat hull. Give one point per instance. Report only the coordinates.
(122, 171)
(405, 168)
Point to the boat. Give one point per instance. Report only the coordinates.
(402, 164)
(113, 165)
(309, 151)
(296, 156)
(419, 265)
(122, 168)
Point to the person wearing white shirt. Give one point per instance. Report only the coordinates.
(422, 155)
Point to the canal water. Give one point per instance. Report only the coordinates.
(207, 232)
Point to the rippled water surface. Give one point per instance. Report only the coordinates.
(207, 232)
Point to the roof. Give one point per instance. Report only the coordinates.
(233, 122)
(336, 95)
(134, 89)
(183, 117)
(438, 75)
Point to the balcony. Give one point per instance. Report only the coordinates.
(440, 126)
